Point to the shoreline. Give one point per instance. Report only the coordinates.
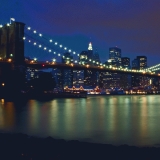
(21, 146)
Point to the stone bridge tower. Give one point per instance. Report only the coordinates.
(12, 43)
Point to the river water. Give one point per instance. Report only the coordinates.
(121, 119)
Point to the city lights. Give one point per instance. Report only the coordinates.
(92, 61)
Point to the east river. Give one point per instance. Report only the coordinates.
(126, 119)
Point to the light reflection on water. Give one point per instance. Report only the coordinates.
(132, 120)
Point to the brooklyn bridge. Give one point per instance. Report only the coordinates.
(15, 65)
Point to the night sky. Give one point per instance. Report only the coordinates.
(132, 25)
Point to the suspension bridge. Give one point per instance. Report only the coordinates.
(54, 49)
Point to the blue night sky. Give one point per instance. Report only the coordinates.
(132, 25)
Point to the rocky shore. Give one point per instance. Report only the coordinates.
(24, 147)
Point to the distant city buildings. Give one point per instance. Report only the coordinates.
(90, 79)
(106, 80)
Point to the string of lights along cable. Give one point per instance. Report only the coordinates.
(57, 49)
(46, 47)
(62, 48)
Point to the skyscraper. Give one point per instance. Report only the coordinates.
(125, 62)
(90, 52)
(139, 63)
(96, 57)
(125, 78)
(90, 77)
(115, 56)
(83, 57)
(113, 79)
(67, 74)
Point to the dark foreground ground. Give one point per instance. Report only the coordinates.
(23, 147)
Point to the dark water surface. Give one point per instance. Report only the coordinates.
(132, 120)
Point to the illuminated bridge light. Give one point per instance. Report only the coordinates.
(75, 61)
(50, 40)
(34, 43)
(29, 41)
(54, 52)
(50, 50)
(45, 48)
(1, 25)
(8, 24)
(24, 38)
(59, 54)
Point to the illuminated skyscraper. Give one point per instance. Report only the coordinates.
(67, 74)
(139, 63)
(90, 77)
(90, 52)
(125, 62)
(112, 80)
(115, 56)
(83, 57)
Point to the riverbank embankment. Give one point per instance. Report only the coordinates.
(24, 147)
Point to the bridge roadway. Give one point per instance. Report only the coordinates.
(44, 65)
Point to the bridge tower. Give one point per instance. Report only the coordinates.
(12, 43)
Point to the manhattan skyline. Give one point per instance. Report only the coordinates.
(132, 26)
